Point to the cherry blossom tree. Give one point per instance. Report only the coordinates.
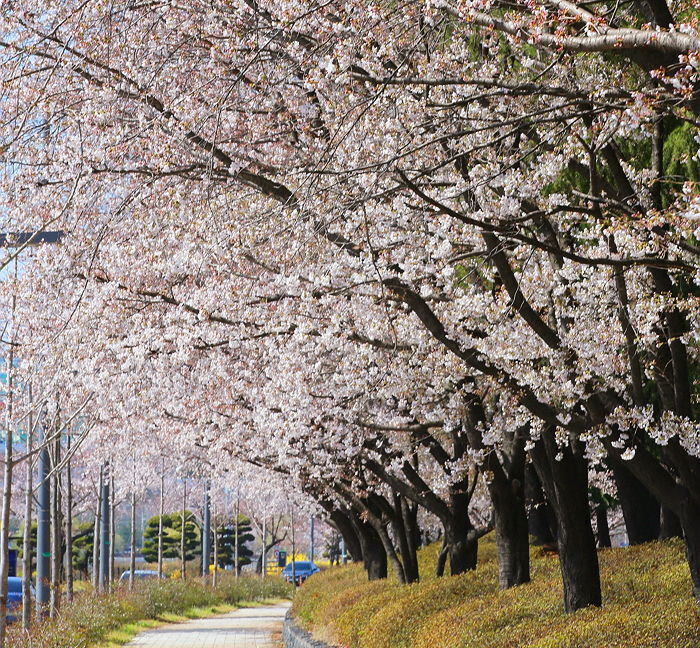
(390, 253)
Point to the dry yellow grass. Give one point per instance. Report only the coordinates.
(646, 590)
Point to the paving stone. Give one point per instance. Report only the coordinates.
(244, 628)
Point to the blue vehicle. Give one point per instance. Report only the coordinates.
(302, 570)
(14, 598)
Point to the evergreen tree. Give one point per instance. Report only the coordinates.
(83, 538)
(82, 546)
(172, 525)
(226, 533)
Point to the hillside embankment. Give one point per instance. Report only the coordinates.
(646, 592)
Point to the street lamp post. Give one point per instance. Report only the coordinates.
(43, 548)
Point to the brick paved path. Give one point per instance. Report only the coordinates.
(244, 628)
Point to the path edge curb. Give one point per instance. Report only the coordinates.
(294, 637)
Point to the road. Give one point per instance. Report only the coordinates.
(256, 627)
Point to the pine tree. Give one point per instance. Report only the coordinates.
(172, 525)
(227, 540)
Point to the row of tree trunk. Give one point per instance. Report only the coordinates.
(545, 502)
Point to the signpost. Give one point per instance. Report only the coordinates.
(12, 555)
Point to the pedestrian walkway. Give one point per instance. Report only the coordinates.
(255, 627)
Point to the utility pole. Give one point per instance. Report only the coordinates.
(56, 524)
(183, 555)
(43, 520)
(96, 535)
(104, 533)
(311, 552)
(235, 531)
(206, 531)
(160, 520)
(27, 539)
(69, 523)
(263, 557)
(215, 574)
(294, 549)
(112, 531)
(132, 538)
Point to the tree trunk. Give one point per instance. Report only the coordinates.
(441, 561)
(578, 558)
(391, 553)
(670, 526)
(689, 515)
(512, 541)
(675, 496)
(407, 547)
(7, 482)
(5, 519)
(410, 517)
(563, 472)
(344, 526)
(541, 521)
(601, 518)
(374, 554)
(639, 507)
(462, 544)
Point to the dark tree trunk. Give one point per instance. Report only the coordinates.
(689, 515)
(639, 507)
(670, 526)
(578, 558)
(342, 523)
(564, 476)
(601, 518)
(373, 553)
(677, 498)
(460, 539)
(409, 513)
(507, 490)
(441, 561)
(541, 521)
(512, 541)
(391, 553)
(404, 532)
(463, 550)
(414, 532)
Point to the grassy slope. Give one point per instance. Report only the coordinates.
(646, 590)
